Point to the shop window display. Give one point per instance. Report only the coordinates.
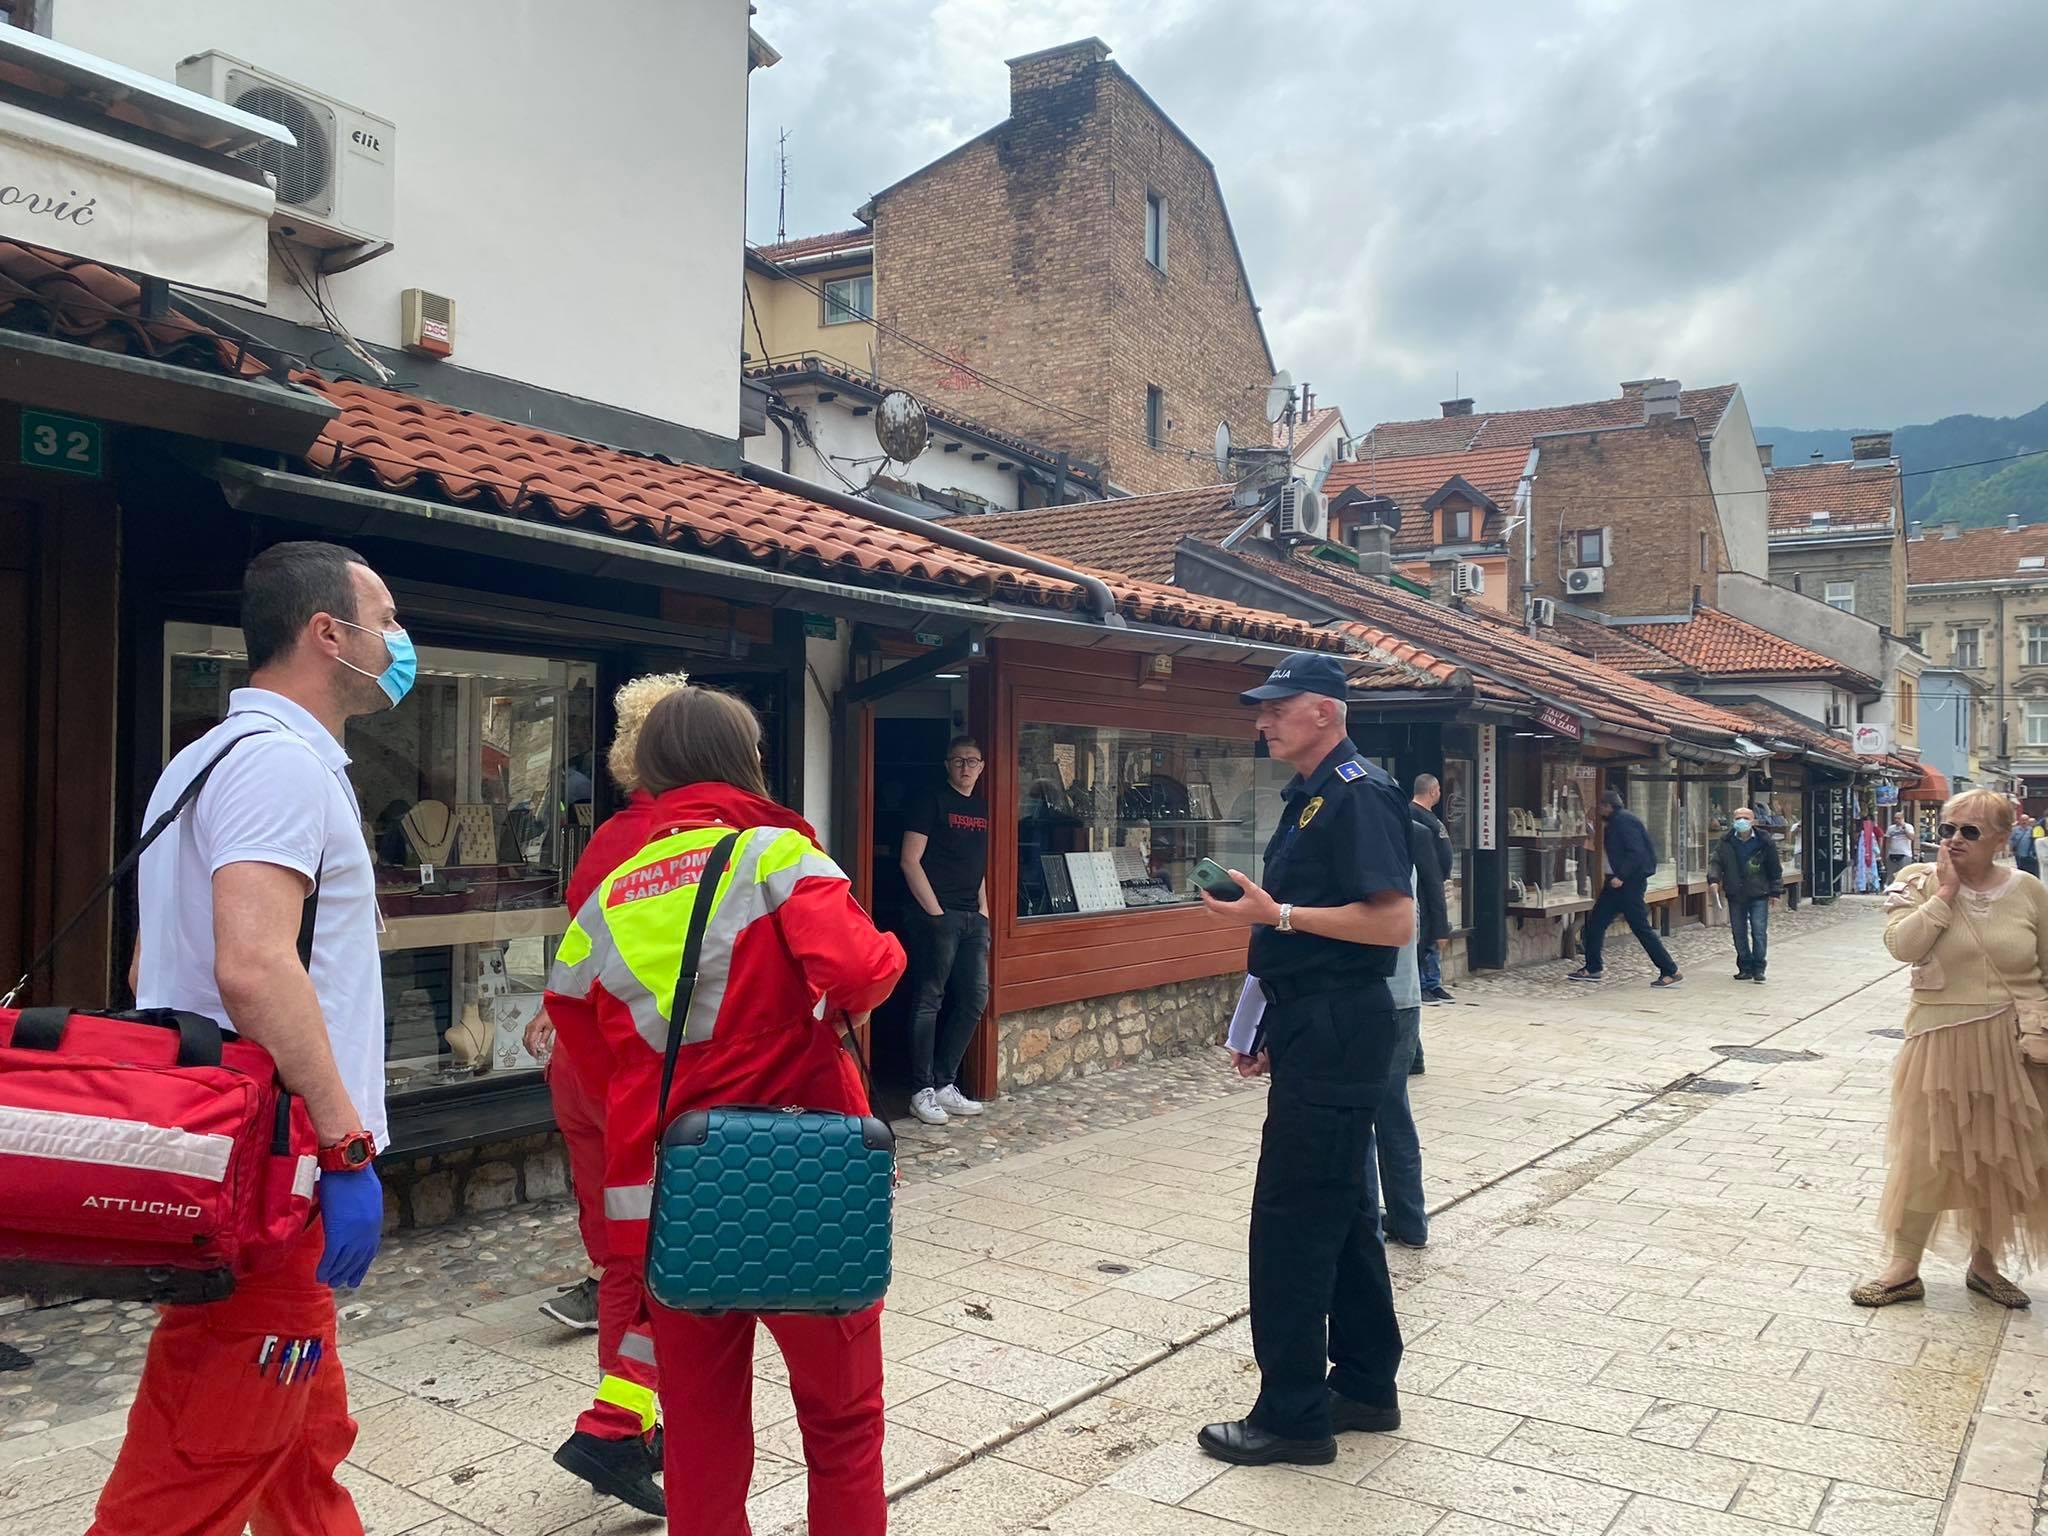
(1654, 797)
(477, 798)
(1455, 811)
(1551, 862)
(1111, 819)
(1782, 811)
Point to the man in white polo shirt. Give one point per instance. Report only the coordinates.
(242, 1414)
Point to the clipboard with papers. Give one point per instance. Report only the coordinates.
(1245, 1020)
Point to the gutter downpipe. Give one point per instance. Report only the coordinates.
(1097, 597)
(1524, 496)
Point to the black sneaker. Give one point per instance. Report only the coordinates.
(1673, 980)
(1582, 974)
(618, 1469)
(1438, 995)
(1745, 976)
(1757, 977)
(575, 1306)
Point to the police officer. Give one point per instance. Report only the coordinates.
(1325, 934)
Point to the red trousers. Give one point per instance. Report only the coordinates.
(835, 1375)
(624, 1406)
(217, 1441)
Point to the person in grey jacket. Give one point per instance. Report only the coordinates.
(1747, 869)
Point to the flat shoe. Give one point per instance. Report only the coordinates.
(2000, 1290)
(1246, 1445)
(1871, 1294)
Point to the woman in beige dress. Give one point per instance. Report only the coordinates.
(1968, 1144)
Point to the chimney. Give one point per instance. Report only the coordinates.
(1816, 457)
(1951, 530)
(1261, 470)
(2012, 522)
(1763, 454)
(1050, 68)
(1914, 532)
(1462, 407)
(1660, 400)
(1871, 445)
(1374, 542)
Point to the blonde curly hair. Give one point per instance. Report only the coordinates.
(1995, 812)
(629, 712)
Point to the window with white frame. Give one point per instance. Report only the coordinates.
(1842, 595)
(2037, 645)
(1155, 230)
(848, 299)
(2036, 711)
(1969, 649)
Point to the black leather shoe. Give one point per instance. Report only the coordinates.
(1348, 1416)
(618, 1469)
(1244, 1444)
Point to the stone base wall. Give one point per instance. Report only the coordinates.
(1047, 1045)
(427, 1191)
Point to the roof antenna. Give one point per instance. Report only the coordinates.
(782, 186)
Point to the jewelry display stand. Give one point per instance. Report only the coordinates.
(476, 834)
(430, 832)
(470, 1041)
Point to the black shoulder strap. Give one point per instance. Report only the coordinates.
(134, 856)
(686, 977)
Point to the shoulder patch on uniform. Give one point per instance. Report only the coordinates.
(1351, 770)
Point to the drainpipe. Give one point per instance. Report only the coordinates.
(1096, 596)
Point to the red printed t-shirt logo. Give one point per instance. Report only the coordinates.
(960, 823)
(659, 878)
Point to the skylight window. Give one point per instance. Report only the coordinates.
(2033, 562)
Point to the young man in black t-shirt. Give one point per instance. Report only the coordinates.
(945, 862)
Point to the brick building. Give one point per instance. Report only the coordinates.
(1838, 530)
(1079, 253)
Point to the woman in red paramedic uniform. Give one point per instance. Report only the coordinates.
(800, 959)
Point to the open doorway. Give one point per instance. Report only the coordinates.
(911, 731)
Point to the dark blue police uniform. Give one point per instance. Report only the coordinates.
(1329, 1029)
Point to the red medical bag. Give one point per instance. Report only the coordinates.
(151, 1155)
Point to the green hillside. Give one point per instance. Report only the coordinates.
(1975, 497)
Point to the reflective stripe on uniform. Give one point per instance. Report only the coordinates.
(72, 1138)
(629, 1202)
(621, 1393)
(637, 1346)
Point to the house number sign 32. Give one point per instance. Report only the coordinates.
(70, 444)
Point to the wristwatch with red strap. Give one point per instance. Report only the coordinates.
(354, 1151)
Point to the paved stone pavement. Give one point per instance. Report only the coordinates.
(1630, 1320)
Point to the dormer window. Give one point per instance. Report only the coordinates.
(1820, 519)
(1457, 523)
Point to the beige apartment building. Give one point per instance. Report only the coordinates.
(1977, 602)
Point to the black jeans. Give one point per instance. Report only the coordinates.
(950, 954)
(1322, 1303)
(1627, 904)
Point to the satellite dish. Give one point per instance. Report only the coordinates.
(900, 426)
(1222, 447)
(1278, 393)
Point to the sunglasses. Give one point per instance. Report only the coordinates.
(1949, 829)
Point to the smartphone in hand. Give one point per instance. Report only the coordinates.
(1215, 879)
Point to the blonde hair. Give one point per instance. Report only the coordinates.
(629, 712)
(1994, 812)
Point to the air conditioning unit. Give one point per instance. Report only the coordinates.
(1304, 511)
(1586, 580)
(1468, 579)
(1543, 611)
(334, 187)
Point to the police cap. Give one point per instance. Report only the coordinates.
(1303, 672)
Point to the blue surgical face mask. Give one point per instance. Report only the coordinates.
(1742, 826)
(396, 679)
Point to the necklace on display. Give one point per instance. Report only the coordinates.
(431, 849)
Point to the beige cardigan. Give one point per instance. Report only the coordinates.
(1952, 978)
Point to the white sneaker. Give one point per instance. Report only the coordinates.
(925, 1105)
(954, 1102)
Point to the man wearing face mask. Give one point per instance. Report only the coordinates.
(1747, 869)
(242, 1413)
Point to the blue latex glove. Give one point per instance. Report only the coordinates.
(352, 1208)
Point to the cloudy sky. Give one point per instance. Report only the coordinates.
(1841, 204)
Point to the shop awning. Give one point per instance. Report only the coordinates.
(1931, 785)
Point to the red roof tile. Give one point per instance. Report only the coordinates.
(1775, 721)
(1410, 482)
(1517, 429)
(1977, 554)
(406, 442)
(1717, 644)
(1136, 535)
(1545, 671)
(817, 245)
(72, 299)
(1848, 496)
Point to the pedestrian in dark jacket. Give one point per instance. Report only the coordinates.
(1631, 859)
(1747, 869)
(1432, 869)
(2024, 853)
